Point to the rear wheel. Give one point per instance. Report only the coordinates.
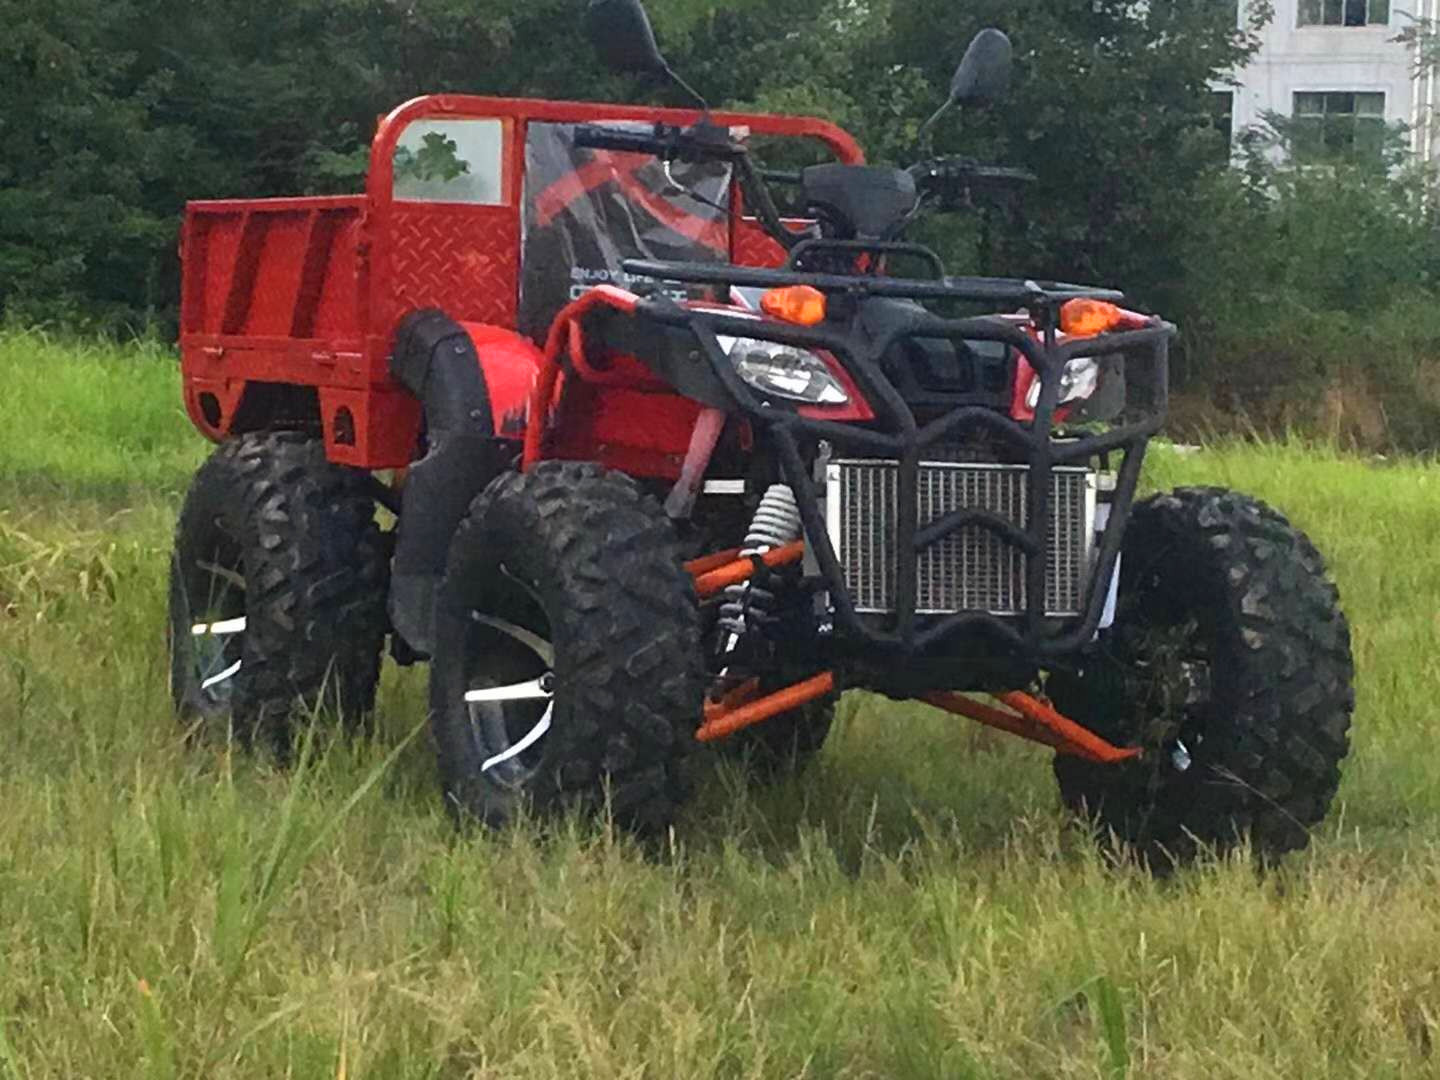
(567, 661)
(277, 588)
(1229, 663)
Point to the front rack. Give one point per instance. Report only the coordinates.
(897, 434)
(1037, 295)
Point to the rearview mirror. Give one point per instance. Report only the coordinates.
(983, 77)
(621, 33)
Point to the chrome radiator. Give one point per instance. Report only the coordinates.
(969, 570)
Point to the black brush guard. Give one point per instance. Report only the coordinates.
(897, 435)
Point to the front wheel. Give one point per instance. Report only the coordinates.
(1229, 664)
(567, 662)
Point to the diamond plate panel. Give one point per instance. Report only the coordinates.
(750, 246)
(462, 259)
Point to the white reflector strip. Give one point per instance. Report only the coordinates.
(224, 626)
(525, 691)
(524, 744)
(213, 679)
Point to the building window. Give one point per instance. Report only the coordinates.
(1338, 123)
(1222, 117)
(1222, 112)
(1344, 12)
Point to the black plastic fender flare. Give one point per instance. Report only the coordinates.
(435, 360)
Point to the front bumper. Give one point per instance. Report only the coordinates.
(1033, 627)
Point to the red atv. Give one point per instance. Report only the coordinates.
(682, 440)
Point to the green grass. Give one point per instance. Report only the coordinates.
(91, 420)
(914, 906)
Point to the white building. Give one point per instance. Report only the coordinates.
(1337, 61)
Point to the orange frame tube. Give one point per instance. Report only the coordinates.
(1031, 719)
(706, 563)
(726, 718)
(565, 329)
(711, 579)
(1039, 722)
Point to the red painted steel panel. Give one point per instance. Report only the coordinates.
(639, 432)
(264, 293)
(331, 289)
(380, 428)
(461, 259)
(218, 249)
(750, 246)
(510, 362)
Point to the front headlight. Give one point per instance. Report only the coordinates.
(1077, 382)
(784, 371)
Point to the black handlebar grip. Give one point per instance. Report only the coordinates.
(1001, 174)
(594, 137)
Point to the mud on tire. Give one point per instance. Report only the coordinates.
(576, 559)
(1230, 662)
(281, 547)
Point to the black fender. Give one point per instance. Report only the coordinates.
(436, 361)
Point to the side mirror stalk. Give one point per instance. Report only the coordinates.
(621, 32)
(983, 78)
(669, 73)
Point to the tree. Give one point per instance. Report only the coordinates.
(78, 154)
(117, 113)
(1111, 109)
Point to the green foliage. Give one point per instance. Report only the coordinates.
(77, 219)
(1313, 283)
(105, 417)
(118, 113)
(437, 159)
(1110, 109)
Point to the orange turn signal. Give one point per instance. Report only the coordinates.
(1082, 317)
(799, 304)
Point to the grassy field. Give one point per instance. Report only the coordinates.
(914, 906)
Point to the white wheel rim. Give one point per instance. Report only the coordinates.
(540, 688)
(221, 628)
(220, 677)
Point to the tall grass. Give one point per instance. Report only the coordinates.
(914, 906)
(92, 419)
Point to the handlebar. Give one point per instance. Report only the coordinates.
(1003, 175)
(953, 179)
(703, 142)
(627, 142)
(950, 180)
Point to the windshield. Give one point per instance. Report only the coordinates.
(586, 211)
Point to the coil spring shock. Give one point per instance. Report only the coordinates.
(775, 524)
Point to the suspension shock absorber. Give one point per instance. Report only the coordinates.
(775, 524)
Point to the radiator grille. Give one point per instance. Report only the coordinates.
(969, 570)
